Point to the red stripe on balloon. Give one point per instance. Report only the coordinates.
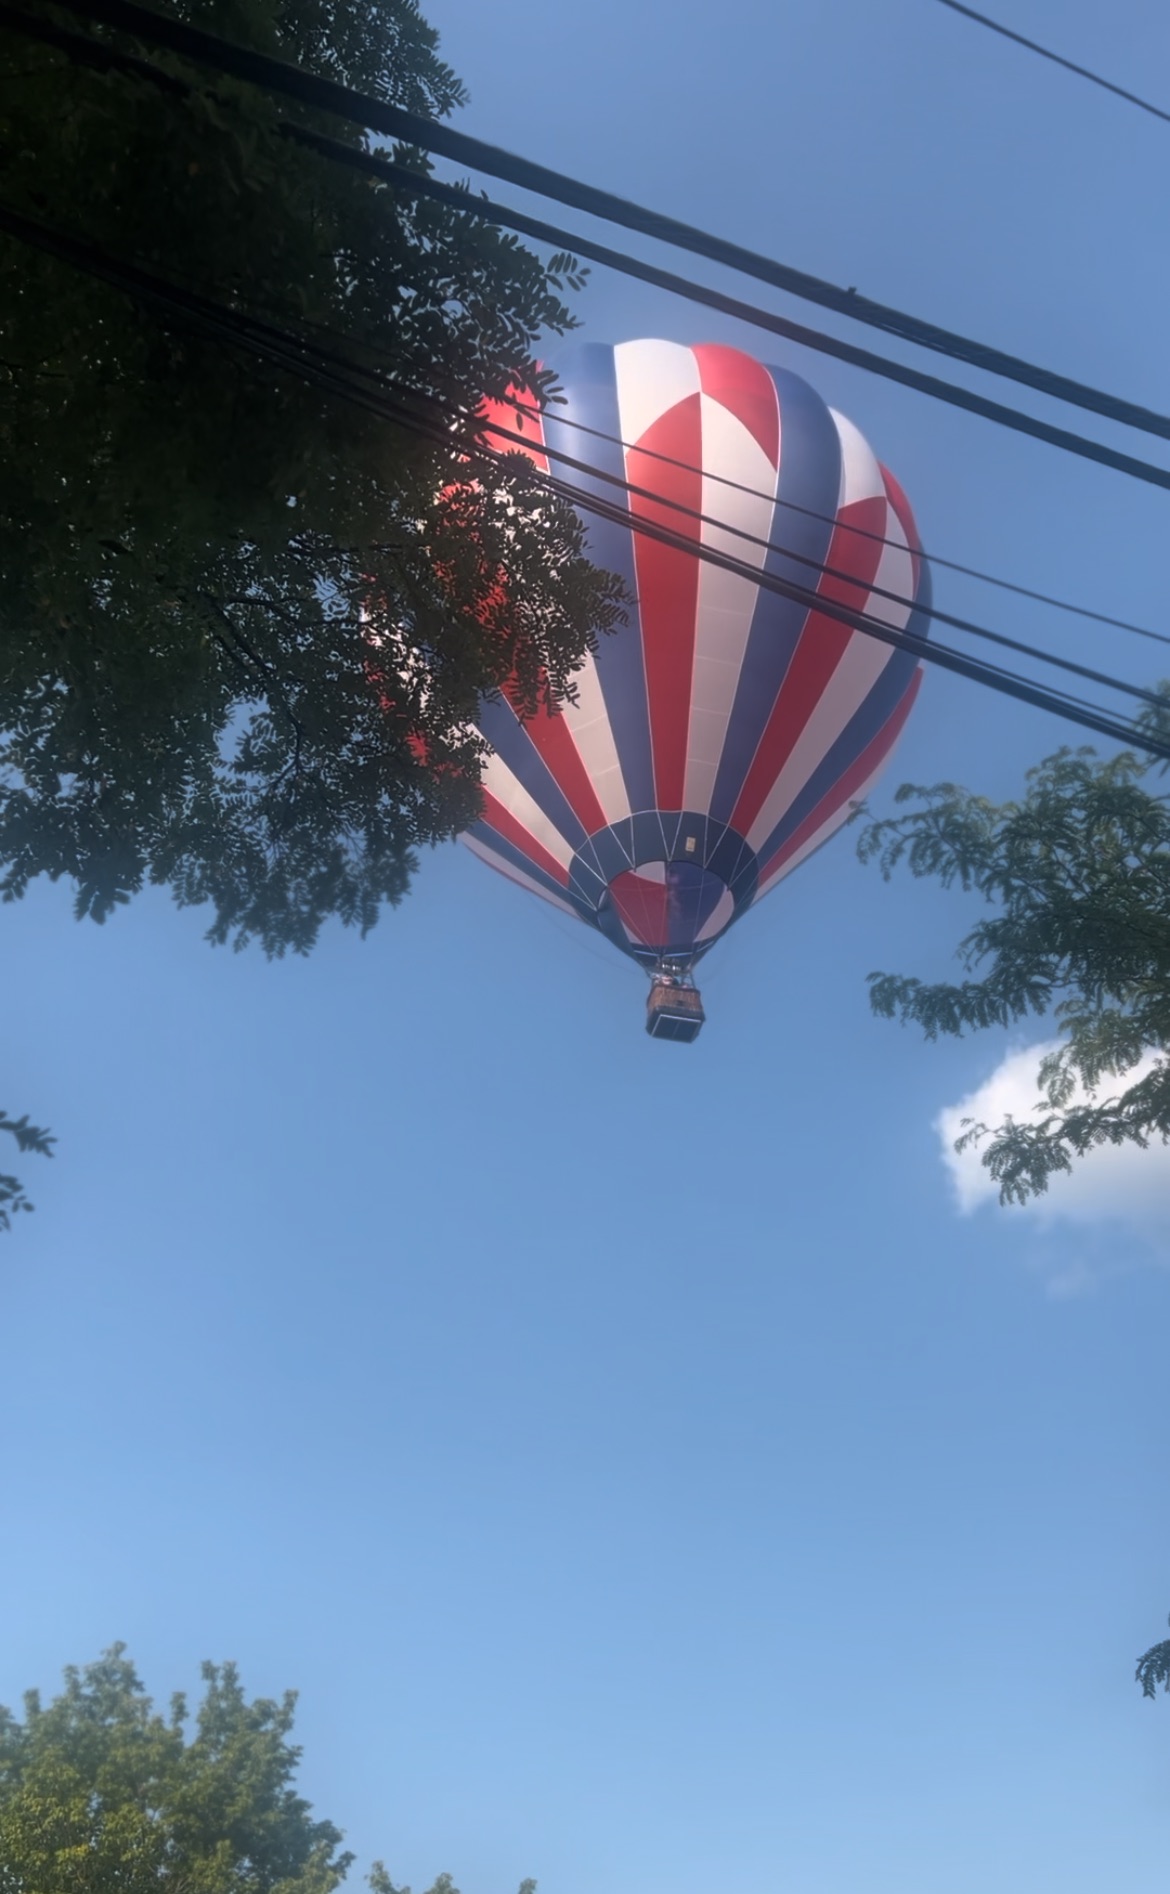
(550, 735)
(644, 908)
(668, 584)
(818, 651)
(859, 772)
(745, 388)
(511, 830)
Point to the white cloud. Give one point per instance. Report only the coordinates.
(1114, 1184)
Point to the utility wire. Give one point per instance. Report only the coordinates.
(1058, 59)
(1010, 683)
(934, 613)
(416, 130)
(844, 526)
(927, 649)
(542, 232)
(462, 200)
(102, 56)
(527, 410)
(337, 377)
(88, 51)
(293, 351)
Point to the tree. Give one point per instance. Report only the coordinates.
(1153, 1668)
(244, 622)
(99, 1791)
(1078, 875)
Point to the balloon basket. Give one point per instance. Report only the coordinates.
(673, 1010)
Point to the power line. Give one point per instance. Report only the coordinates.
(865, 359)
(416, 130)
(103, 56)
(1010, 683)
(88, 51)
(858, 532)
(336, 376)
(1058, 59)
(932, 612)
(461, 200)
(934, 557)
(464, 202)
(333, 370)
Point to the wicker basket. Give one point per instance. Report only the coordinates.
(673, 1012)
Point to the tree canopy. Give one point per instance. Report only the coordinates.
(100, 1791)
(243, 621)
(1077, 874)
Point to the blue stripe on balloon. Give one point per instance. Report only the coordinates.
(875, 710)
(590, 388)
(608, 921)
(495, 844)
(810, 476)
(510, 740)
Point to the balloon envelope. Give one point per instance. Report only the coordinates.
(725, 731)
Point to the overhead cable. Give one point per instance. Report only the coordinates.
(844, 526)
(428, 422)
(103, 56)
(414, 129)
(542, 232)
(511, 439)
(462, 200)
(1010, 683)
(88, 51)
(332, 369)
(1058, 59)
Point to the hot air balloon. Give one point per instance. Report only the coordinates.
(726, 731)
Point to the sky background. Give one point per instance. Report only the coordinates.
(656, 1468)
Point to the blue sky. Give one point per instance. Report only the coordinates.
(648, 1472)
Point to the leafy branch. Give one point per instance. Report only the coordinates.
(29, 1137)
(1153, 1668)
(1076, 878)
